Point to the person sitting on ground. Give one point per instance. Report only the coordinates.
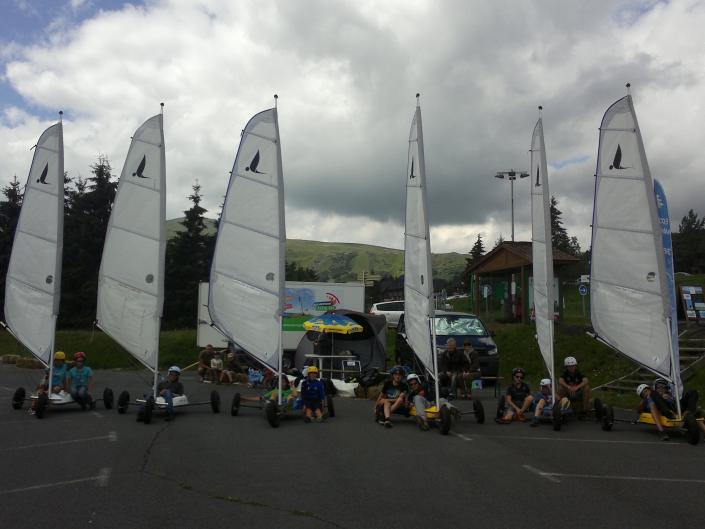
(650, 403)
(216, 367)
(665, 402)
(313, 394)
(417, 398)
(79, 380)
(170, 388)
(392, 398)
(58, 378)
(289, 393)
(453, 364)
(543, 401)
(574, 385)
(231, 367)
(517, 400)
(204, 362)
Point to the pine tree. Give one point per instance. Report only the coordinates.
(478, 250)
(9, 215)
(89, 203)
(689, 245)
(188, 259)
(295, 272)
(690, 223)
(499, 241)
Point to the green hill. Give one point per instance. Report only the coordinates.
(343, 261)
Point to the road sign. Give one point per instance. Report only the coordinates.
(583, 289)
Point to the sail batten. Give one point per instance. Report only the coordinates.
(131, 277)
(629, 305)
(246, 293)
(542, 249)
(418, 274)
(33, 281)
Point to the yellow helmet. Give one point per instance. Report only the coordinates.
(312, 369)
(59, 355)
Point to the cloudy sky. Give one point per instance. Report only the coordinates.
(346, 73)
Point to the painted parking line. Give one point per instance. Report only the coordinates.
(101, 480)
(553, 476)
(570, 440)
(111, 437)
(463, 437)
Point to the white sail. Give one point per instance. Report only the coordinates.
(541, 248)
(33, 283)
(629, 303)
(131, 279)
(247, 272)
(418, 275)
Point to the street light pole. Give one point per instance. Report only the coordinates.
(511, 175)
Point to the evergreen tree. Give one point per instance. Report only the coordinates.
(9, 215)
(499, 241)
(478, 250)
(188, 260)
(559, 235)
(88, 206)
(295, 272)
(689, 245)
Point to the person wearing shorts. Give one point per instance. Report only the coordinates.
(575, 386)
(313, 394)
(517, 400)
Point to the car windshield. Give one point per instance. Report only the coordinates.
(459, 326)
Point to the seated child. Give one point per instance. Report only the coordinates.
(313, 393)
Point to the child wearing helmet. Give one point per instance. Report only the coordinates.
(79, 380)
(313, 393)
(517, 400)
(58, 378)
(664, 401)
(417, 397)
(650, 402)
(392, 398)
(169, 388)
(289, 392)
(544, 402)
(575, 386)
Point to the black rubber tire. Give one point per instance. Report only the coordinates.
(148, 410)
(18, 398)
(215, 401)
(445, 420)
(599, 409)
(271, 411)
(500, 407)
(42, 405)
(330, 405)
(123, 402)
(557, 418)
(235, 406)
(108, 398)
(607, 420)
(479, 410)
(691, 426)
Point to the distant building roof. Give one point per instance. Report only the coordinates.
(511, 255)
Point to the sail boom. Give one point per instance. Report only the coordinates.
(251, 229)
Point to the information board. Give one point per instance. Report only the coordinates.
(693, 302)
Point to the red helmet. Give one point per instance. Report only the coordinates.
(79, 356)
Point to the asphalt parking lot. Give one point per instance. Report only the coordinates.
(99, 469)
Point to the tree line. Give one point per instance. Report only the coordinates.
(87, 207)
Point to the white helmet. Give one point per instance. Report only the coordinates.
(570, 361)
(641, 388)
(413, 376)
(545, 382)
(175, 369)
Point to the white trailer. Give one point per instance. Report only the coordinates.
(302, 301)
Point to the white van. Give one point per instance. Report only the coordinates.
(390, 309)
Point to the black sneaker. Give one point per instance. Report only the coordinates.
(387, 423)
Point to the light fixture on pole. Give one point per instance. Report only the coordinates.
(511, 175)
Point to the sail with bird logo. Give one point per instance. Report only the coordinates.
(630, 306)
(131, 277)
(33, 281)
(542, 250)
(247, 273)
(418, 275)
